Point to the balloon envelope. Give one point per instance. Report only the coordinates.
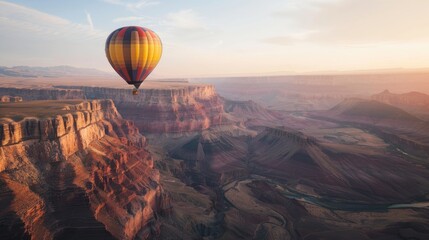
(133, 52)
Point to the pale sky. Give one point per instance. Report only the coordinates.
(222, 37)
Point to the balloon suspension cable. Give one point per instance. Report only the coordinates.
(135, 91)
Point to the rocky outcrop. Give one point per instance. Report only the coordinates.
(251, 113)
(167, 108)
(81, 175)
(85, 121)
(10, 99)
(43, 93)
(291, 135)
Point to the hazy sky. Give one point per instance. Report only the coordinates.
(215, 37)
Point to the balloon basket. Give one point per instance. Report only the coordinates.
(135, 92)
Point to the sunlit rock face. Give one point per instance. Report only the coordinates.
(81, 175)
(160, 108)
(166, 108)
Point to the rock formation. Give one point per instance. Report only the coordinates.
(370, 110)
(277, 184)
(250, 113)
(171, 107)
(411, 99)
(81, 175)
(393, 124)
(168, 107)
(413, 102)
(85, 173)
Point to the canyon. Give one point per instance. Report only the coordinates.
(159, 108)
(324, 181)
(207, 167)
(83, 173)
(166, 108)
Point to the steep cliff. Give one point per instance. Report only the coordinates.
(79, 175)
(165, 107)
(160, 107)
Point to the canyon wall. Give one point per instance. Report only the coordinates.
(163, 108)
(166, 108)
(81, 175)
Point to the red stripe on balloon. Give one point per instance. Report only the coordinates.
(142, 35)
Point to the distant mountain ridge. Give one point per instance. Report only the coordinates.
(358, 108)
(411, 100)
(54, 71)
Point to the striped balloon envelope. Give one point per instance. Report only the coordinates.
(133, 52)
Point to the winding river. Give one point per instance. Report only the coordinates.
(334, 204)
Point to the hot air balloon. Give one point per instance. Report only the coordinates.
(133, 52)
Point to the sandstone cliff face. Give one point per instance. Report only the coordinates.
(163, 109)
(10, 99)
(82, 175)
(43, 93)
(160, 110)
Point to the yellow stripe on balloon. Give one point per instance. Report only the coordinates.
(150, 49)
(112, 49)
(119, 53)
(143, 51)
(158, 52)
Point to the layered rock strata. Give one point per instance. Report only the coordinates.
(81, 175)
(161, 108)
(169, 108)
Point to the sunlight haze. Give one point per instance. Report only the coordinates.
(223, 37)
